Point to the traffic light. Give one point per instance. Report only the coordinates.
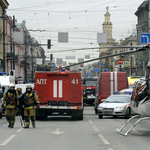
(49, 44)
(51, 56)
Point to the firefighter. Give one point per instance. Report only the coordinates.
(30, 100)
(19, 90)
(11, 99)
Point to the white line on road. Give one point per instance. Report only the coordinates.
(103, 139)
(111, 149)
(19, 130)
(90, 122)
(95, 128)
(8, 140)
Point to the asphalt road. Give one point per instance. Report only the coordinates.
(65, 134)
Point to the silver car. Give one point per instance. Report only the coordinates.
(115, 105)
(1, 111)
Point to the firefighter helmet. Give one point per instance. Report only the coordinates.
(29, 87)
(11, 85)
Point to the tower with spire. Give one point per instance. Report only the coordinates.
(107, 26)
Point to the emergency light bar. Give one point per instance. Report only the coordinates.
(117, 92)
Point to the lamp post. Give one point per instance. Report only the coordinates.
(3, 18)
(13, 26)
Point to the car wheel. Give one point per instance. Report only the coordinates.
(115, 116)
(95, 111)
(127, 113)
(1, 115)
(100, 116)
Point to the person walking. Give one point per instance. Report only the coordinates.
(30, 100)
(11, 100)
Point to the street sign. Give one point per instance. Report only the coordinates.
(101, 63)
(106, 70)
(96, 69)
(88, 74)
(145, 38)
(120, 61)
(125, 63)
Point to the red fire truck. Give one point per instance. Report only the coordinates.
(59, 93)
(89, 89)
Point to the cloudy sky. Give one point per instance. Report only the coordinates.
(82, 19)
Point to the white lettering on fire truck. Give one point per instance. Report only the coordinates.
(74, 81)
(41, 81)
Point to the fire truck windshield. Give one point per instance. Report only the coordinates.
(90, 82)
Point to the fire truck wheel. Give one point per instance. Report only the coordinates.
(80, 118)
(44, 118)
(74, 118)
(38, 118)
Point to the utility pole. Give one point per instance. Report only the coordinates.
(32, 59)
(25, 68)
(11, 56)
(4, 18)
(13, 26)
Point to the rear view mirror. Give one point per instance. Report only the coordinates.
(103, 100)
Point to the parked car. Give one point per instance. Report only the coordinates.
(115, 105)
(107, 83)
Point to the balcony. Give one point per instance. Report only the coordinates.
(8, 55)
(22, 64)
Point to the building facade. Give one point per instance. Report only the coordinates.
(142, 26)
(5, 4)
(19, 51)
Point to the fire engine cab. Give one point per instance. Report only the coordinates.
(59, 93)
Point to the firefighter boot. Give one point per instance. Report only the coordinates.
(9, 125)
(33, 121)
(26, 122)
(26, 127)
(33, 125)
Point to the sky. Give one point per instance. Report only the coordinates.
(82, 19)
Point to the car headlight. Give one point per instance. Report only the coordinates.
(120, 107)
(99, 106)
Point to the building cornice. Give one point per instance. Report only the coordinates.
(143, 6)
(5, 3)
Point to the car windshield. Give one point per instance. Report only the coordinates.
(117, 99)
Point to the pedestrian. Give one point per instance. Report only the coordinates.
(11, 99)
(30, 100)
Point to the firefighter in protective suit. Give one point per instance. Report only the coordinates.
(30, 100)
(11, 99)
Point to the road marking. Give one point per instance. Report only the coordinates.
(90, 122)
(19, 130)
(95, 128)
(103, 139)
(111, 149)
(57, 132)
(8, 140)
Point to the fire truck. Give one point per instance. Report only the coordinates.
(59, 93)
(88, 90)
